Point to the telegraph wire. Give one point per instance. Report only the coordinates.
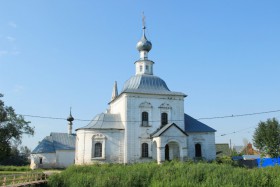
(203, 118)
(239, 115)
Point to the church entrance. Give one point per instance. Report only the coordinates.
(172, 151)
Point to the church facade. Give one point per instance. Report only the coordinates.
(144, 122)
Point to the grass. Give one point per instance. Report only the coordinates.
(168, 174)
(15, 168)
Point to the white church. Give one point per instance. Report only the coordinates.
(144, 122)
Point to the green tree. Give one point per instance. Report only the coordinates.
(267, 138)
(12, 127)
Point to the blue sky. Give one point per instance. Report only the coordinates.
(223, 54)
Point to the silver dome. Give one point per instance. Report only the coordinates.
(145, 82)
(144, 44)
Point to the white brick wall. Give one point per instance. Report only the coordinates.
(113, 146)
(207, 141)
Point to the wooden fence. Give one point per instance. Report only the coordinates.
(24, 179)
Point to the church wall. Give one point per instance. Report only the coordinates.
(112, 143)
(65, 158)
(207, 141)
(137, 134)
(119, 106)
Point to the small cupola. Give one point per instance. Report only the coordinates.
(144, 65)
(70, 120)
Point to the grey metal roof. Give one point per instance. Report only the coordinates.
(63, 141)
(45, 146)
(105, 121)
(147, 84)
(56, 141)
(159, 132)
(193, 125)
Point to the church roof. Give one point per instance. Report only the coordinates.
(150, 84)
(105, 121)
(193, 125)
(160, 131)
(56, 141)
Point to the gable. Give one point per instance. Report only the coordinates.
(168, 130)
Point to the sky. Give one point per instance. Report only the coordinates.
(59, 54)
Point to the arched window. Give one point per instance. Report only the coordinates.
(98, 150)
(145, 118)
(164, 119)
(198, 150)
(145, 150)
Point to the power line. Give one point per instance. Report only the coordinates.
(234, 132)
(239, 115)
(203, 118)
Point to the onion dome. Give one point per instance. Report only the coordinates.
(70, 118)
(144, 44)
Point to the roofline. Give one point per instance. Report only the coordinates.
(184, 95)
(144, 61)
(169, 127)
(99, 129)
(41, 152)
(200, 131)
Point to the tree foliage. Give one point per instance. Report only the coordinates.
(12, 127)
(267, 137)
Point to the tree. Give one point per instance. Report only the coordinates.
(267, 138)
(12, 127)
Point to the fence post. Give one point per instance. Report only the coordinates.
(14, 180)
(4, 181)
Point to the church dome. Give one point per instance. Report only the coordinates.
(145, 83)
(144, 44)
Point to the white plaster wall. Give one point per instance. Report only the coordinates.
(49, 160)
(207, 141)
(119, 106)
(134, 130)
(65, 158)
(113, 146)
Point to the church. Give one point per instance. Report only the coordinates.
(144, 122)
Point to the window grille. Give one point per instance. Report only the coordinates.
(145, 150)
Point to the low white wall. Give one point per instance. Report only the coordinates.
(48, 160)
(65, 158)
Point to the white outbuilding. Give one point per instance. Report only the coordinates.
(56, 150)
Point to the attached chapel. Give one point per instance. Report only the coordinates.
(144, 122)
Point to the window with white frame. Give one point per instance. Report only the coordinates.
(164, 119)
(145, 150)
(145, 118)
(145, 114)
(98, 146)
(98, 149)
